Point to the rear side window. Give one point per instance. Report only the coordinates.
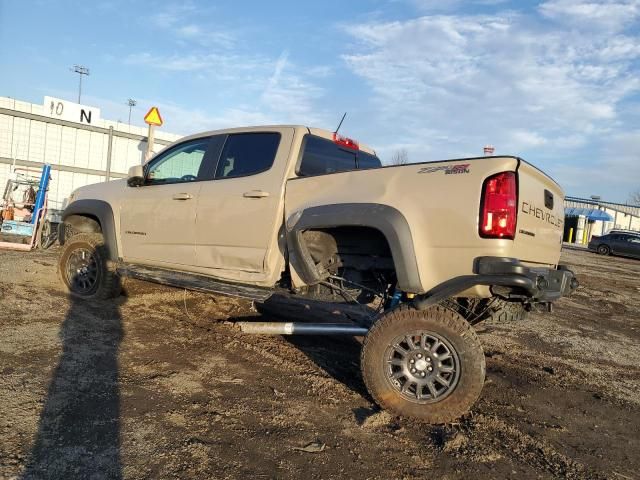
(247, 154)
(324, 156)
(366, 160)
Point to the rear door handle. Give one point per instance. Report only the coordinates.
(182, 196)
(255, 194)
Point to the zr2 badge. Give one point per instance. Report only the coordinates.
(447, 169)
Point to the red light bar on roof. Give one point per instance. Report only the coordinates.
(345, 142)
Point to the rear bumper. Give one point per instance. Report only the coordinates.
(541, 284)
(510, 278)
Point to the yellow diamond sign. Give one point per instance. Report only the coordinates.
(153, 117)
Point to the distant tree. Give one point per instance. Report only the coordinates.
(400, 157)
(634, 198)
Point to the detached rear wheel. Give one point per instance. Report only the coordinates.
(426, 364)
(85, 269)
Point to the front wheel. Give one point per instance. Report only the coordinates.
(85, 269)
(426, 364)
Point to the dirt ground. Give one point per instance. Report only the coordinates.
(144, 388)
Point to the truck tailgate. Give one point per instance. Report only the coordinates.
(540, 217)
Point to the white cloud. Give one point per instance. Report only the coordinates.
(611, 15)
(615, 175)
(281, 92)
(227, 66)
(289, 93)
(181, 21)
(456, 82)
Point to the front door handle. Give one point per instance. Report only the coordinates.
(255, 194)
(182, 196)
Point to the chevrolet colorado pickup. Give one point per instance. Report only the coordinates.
(432, 248)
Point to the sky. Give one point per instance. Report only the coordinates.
(556, 82)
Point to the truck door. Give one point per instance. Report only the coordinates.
(240, 213)
(158, 219)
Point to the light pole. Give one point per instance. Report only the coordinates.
(132, 103)
(80, 70)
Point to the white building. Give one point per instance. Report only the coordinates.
(586, 217)
(81, 147)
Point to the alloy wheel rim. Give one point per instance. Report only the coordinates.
(422, 366)
(82, 271)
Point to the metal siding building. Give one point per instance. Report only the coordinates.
(578, 212)
(80, 154)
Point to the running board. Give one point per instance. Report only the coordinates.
(300, 328)
(191, 281)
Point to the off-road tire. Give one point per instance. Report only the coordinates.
(604, 250)
(489, 310)
(502, 311)
(449, 326)
(107, 282)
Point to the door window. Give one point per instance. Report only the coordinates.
(631, 238)
(182, 163)
(247, 154)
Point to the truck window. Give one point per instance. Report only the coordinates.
(366, 160)
(247, 154)
(324, 156)
(182, 163)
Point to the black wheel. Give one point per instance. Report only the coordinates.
(48, 234)
(502, 311)
(489, 310)
(426, 364)
(85, 269)
(604, 249)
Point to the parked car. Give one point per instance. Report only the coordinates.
(305, 212)
(624, 244)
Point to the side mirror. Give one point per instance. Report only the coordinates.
(135, 178)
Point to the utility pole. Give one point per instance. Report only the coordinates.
(132, 103)
(80, 70)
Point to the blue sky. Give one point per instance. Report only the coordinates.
(556, 82)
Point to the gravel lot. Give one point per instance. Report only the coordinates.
(144, 388)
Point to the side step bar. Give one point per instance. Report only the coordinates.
(300, 328)
(191, 281)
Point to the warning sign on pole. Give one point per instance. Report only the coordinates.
(153, 117)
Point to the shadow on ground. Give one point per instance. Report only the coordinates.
(79, 428)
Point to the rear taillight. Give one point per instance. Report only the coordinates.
(498, 207)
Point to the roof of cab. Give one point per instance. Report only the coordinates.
(312, 130)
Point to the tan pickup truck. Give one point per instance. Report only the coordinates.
(430, 249)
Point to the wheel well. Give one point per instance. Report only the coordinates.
(84, 223)
(353, 247)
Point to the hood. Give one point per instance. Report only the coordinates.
(106, 191)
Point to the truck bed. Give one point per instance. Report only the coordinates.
(441, 204)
